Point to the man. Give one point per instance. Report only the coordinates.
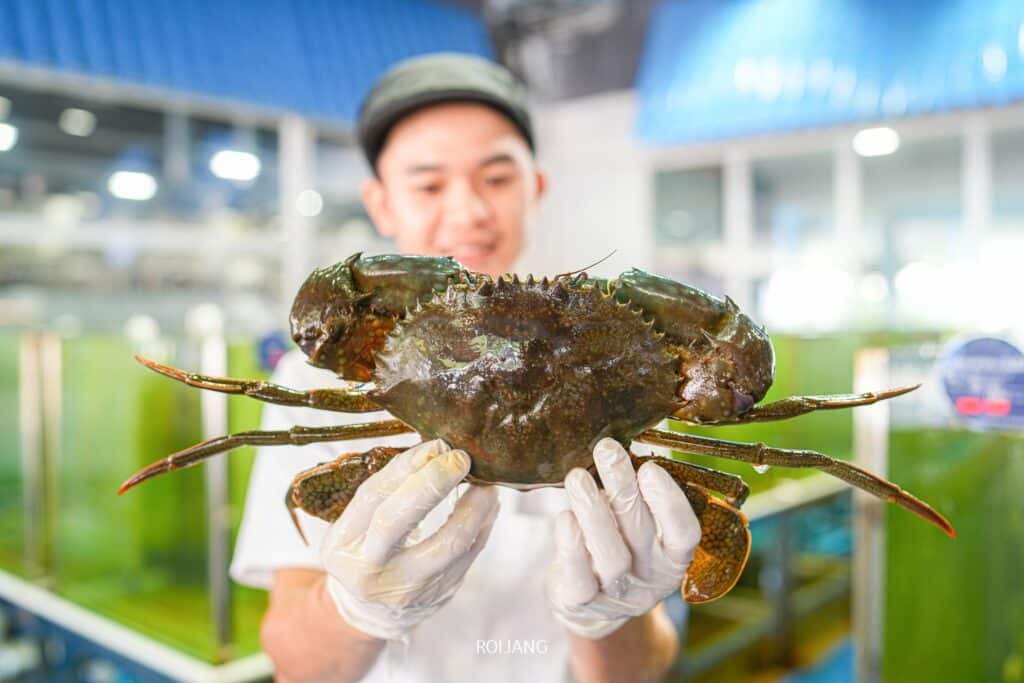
(523, 595)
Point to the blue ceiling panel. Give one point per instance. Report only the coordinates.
(715, 69)
(315, 57)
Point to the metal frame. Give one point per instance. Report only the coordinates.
(744, 261)
(295, 240)
(165, 236)
(148, 96)
(126, 642)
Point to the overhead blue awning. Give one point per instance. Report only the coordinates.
(715, 69)
(315, 57)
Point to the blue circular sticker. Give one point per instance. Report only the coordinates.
(984, 380)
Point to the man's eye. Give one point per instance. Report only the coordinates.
(431, 188)
(498, 180)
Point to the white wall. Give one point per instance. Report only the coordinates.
(599, 194)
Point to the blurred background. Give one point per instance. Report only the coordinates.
(851, 172)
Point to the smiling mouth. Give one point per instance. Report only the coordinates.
(471, 253)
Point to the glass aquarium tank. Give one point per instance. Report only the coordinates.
(141, 559)
(953, 609)
(792, 604)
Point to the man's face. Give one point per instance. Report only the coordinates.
(456, 180)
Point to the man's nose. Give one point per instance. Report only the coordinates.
(464, 204)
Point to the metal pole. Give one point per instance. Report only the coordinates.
(738, 219)
(780, 592)
(848, 193)
(871, 451)
(30, 421)
(177, 161)
(51, 370)
(298, 232)
(40, 397)
(976, 182)
(214, 413)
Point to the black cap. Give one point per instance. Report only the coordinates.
(433, 79)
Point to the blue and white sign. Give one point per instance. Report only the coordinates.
(984, 380)
(271, 347)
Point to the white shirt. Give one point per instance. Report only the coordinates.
(497, 627)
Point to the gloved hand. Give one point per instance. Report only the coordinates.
(620, 551)
(381, 585)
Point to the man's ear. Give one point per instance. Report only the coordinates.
(376, 203)
(542, 183)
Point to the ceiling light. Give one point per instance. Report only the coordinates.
(232, 164)
(876, 142)
(309, 203)
(993, 59)
(133, 185)
(8, 136)
(77, 122)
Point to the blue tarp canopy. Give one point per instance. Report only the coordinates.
(315, 57)
(715, 69)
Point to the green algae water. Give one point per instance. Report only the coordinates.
(954, 609)
(139, 559)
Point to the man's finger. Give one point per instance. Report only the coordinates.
(473, 515)
(458, 568)
(611, 558)
(630, 510)
(573, 580)
(680, 529)
(406, 507)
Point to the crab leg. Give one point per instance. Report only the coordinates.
(296, 436)
(338, 400)
(760, 454)
(793, 406)
(731, 486)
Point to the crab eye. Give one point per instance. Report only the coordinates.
(741, 401)
(307, 339)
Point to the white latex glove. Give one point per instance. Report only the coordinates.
(381, 585)
(620, 551)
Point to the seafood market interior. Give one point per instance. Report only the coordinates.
(849, 174)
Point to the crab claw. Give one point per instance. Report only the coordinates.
(159, 467)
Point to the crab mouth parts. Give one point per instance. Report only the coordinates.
(472, 253)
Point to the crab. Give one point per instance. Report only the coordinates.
(526, 376)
